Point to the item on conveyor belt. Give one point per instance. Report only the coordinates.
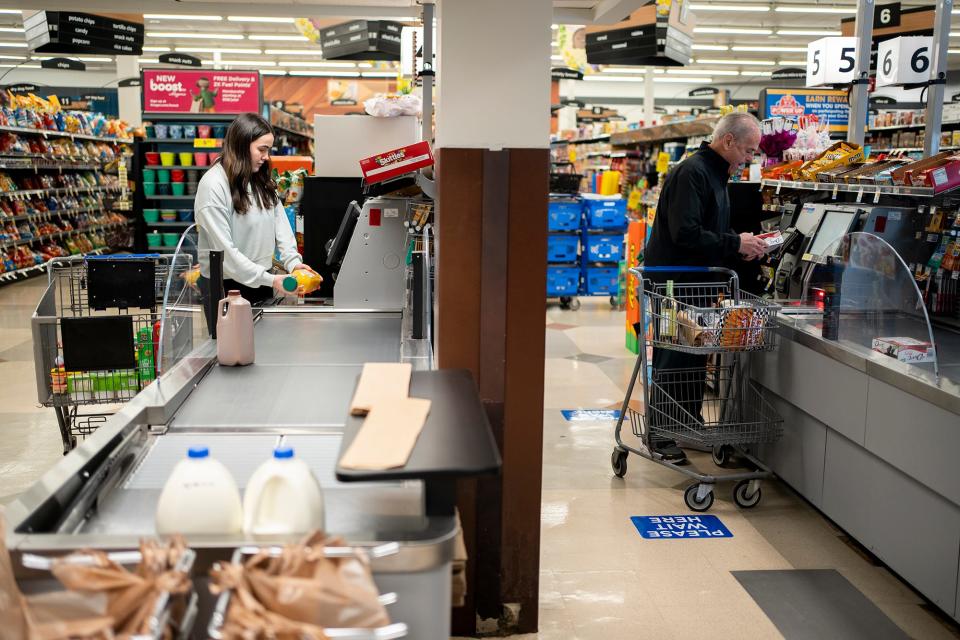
(308, 280)
(200, 497)
(283, 496)
(234, 330)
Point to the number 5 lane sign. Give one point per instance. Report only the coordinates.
(904, 60)
(831, 61)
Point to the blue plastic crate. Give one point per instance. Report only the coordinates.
(602, 247)
(564, 215)
(562, 280)
(605, 213)
(600, 280)
(563, 247)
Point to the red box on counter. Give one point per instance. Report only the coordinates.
(946, 176)
(396, 162)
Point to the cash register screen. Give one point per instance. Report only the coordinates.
(834, 225)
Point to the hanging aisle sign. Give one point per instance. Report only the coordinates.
(704, 91)
(790, 73)
(181, 59)
(904, 60)
(63, 63)
(563, 73)
(831, 61)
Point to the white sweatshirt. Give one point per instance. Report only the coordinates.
(248, 241)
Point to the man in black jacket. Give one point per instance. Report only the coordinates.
(692, 228)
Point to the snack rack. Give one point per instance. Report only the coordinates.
(714, 406)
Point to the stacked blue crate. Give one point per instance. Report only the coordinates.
(563, 246)
(604, 222)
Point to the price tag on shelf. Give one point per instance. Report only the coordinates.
(206, 143)
(904, 60)
(831, 61)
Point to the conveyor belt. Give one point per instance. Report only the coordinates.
(329, 338)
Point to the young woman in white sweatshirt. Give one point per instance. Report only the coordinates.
(239, 212)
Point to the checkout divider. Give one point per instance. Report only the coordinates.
(308, 360)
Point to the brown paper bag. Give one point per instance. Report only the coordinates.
(380, 381)
(66, 615)
(12, 619)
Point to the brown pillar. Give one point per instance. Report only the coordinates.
(492, 220)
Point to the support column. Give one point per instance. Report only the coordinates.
(129, 97)
(938, 77)
(648, 106)
(493, 174)
(858, 92)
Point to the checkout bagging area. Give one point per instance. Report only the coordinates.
(298, 394)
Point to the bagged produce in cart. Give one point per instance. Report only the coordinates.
(299, 593)
(393, 106)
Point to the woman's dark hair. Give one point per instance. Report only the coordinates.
(236, 162)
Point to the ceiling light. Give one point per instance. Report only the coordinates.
(791, 62)
(770, 49)
(13, 44)
(379, 74)
(955, 34)
(71, 57)
(693, 72)
(807, 32)
(2, 57)
(623, 70)
(192, 34)
(215, 50)
(953, 51)
(294, 52)
(710, 47)
(554, 26)
(735, 30)
(11, 29)
(335, 74)
(556, 58)
(802, 9)
(21, 66)
(729, 7)
(765, 74)
(684, 80)
(599, 78)
(300, 63)
(157, 49)
(273, 72)
(267, 36)
(233, 63)
(180, 16)
(148, 61)
(758, 63)
(11, 11)
(260, 19)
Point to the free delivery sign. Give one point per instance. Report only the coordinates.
(829, 105)
(203, 91)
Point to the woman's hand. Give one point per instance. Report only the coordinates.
(278, 286)
(305, 267)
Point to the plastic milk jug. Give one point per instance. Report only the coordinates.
(234, 330)
(200, 496)
(282, 496)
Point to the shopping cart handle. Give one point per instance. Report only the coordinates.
(640, 270)
(123, 256)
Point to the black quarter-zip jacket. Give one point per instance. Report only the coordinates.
(692, 224)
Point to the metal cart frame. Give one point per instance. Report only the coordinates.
(712, 319)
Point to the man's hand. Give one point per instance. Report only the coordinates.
(752, 247)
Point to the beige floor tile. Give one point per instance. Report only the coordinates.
(746, 622)
(919, 623)
(600, 340)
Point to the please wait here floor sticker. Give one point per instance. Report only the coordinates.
(680, 527)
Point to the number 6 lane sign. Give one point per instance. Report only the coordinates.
(831, 61)
(904, 60)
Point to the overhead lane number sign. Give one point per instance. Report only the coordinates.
(904, 60)
(831, 61)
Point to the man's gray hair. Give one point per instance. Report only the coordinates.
(738, 123)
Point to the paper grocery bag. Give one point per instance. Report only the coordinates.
(380, 381)
(12, 620)
(67, 615)
(388, 434)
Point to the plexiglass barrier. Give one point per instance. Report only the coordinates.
(182, 324)
(870, 300)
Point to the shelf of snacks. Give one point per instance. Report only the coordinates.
(668, 131)
(30, 115)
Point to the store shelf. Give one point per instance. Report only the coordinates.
(188, 117)
(27, 272)
(178, 166)
(169, 224)
(63, 134)
(664, 132)
(161, 249)
(46, 215)
(583, 140)
(43, 161)
(864, 189)
(302, 134)
(9, 244)
(907, 149)
(55, 191)
(189, 141)
(922, 125)
(183, 197)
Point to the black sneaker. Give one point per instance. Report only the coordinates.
(668, 449)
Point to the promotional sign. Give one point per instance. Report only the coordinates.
(207, 91)
(831, 61)
(396, 162)
(827, 104)
(63, 63)
(904, 60)
(182, 59)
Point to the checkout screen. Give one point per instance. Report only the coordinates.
(834, 225)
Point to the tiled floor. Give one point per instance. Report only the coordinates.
(599, 578)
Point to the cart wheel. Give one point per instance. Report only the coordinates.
(742, 498)
(722, 454)
(574, 304)
(690, 497)
(619, 462)
(613, 302)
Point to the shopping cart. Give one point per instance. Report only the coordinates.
(712, 407)
(95, 335)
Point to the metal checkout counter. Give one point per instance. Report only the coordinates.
(308, 359)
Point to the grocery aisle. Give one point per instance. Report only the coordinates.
(600, 579)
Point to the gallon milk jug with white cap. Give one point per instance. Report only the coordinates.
(234, 330)
(200, 496)
(282, 497)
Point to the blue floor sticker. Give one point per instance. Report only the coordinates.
(590, 415)
(673, 527)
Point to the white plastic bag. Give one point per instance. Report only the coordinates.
(393, 106)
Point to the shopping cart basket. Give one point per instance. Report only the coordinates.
(95, 332)
(714, 406)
